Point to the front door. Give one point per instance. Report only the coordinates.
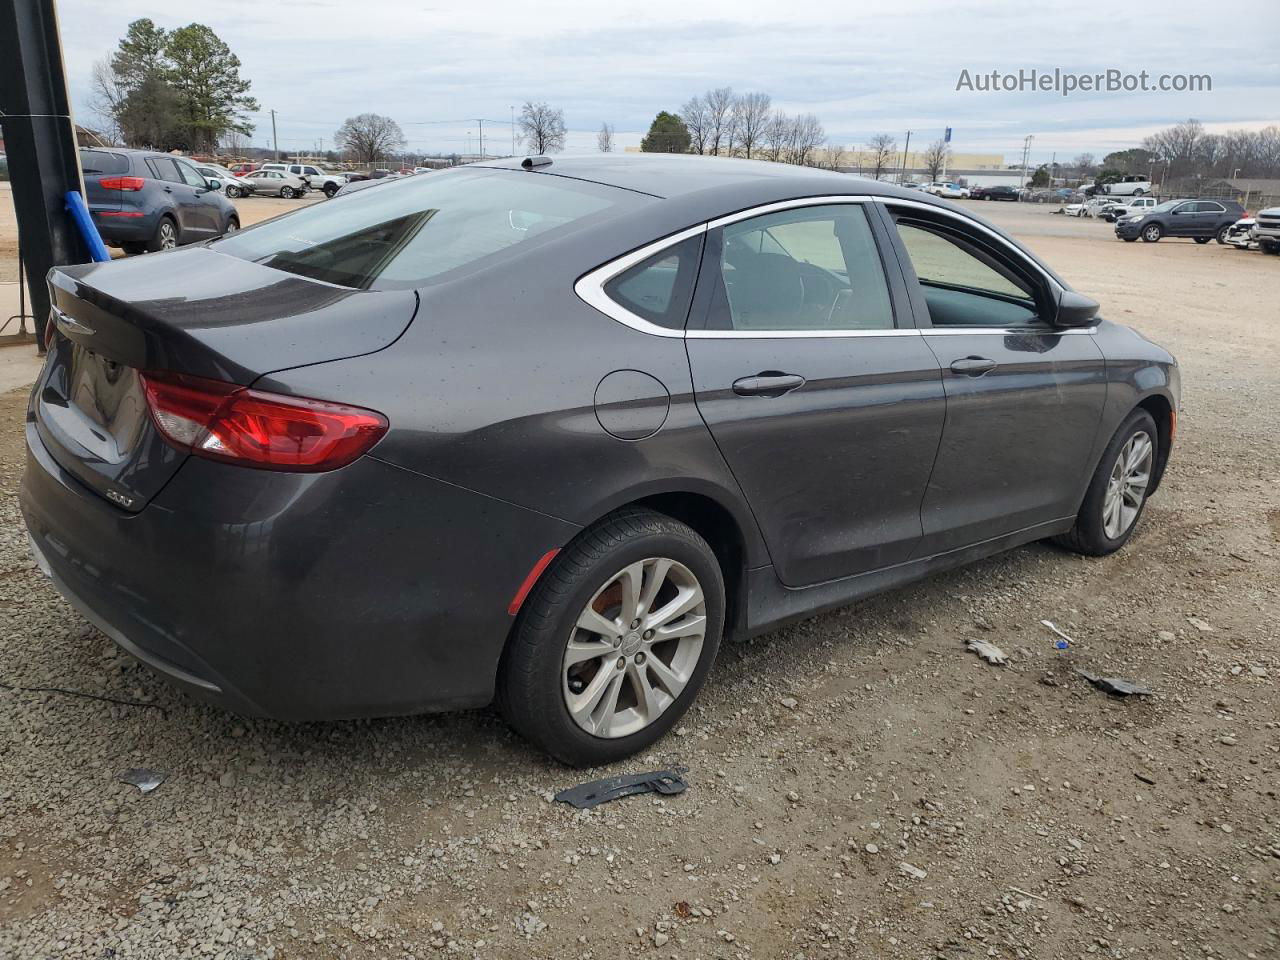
(826, 404)
(1024, 399)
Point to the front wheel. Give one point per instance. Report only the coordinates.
(1129, 239)
(1118, 490)
(232, 192)
(286, 193)
(1203, 239)
(615, 640)
(1152, 233)
(1223, 234)
(233, 226)
(329, 190)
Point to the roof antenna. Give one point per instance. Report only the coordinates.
(530, 162)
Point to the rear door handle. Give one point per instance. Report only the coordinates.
(973, 366)
(768, 383)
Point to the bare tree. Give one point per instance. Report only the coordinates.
(935, 158)
(604, 139)
(696, 119)
(719, 118)
(804, 136)
(369, 137)
(883, 149)
(752, 113)
(774, 135)
(833, 155)
(105, 98)
(1178, 146)
(542, 128)
(234, 143)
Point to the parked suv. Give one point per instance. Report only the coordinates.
(144, 201)
(1201, 220)
(1266, 231)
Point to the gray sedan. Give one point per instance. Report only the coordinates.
(547, 432)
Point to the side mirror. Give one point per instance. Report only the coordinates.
(1075, 310)
(214, 184)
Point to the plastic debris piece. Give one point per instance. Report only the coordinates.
(1116, 685)
(1063, 641)
(587, 795)
(912, 871)
(987, 651)
(145, 780)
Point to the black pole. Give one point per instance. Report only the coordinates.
(40, 141)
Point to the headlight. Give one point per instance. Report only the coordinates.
(1137, 218)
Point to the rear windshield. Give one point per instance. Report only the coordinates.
(94, 162)
(405, 233)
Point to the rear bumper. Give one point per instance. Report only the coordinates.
(117, 229)
(368, 591)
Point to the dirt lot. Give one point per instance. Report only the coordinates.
(1040, 818)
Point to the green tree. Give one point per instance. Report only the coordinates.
(212, 95)
(1041, 177)
(667, 134)
(140, 54)
(150, 116)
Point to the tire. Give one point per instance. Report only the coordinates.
(286, 193)
(165, 237)
(1203, 239)
(1090, 535)
(1152, 233)
(1138, 193)
(1222, 234)
(232, 192)
(1129, 239)
(1268, 246)
(233, 226)
(536, 685)
(134, 247)
(329, 190)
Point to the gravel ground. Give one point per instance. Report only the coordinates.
(861, 786)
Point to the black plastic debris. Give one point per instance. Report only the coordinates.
(1115, 685)
(587, 795)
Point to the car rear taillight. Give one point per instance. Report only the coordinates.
(122, 183)
(224, 421)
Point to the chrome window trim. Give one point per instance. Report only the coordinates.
(590, 286)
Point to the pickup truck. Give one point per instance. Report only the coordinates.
(1266, 230)
(1120, 208)
(315, 177)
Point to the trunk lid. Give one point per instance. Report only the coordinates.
(203, 314)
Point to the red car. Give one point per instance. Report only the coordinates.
(240, 169)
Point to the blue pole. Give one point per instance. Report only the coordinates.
(80, 215)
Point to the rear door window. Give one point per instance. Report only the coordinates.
(422, 229)
(189, 175)
(163, 168)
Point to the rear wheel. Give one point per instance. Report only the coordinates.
(1152, 232)
(165, 237)
(615, 640)
(134, 247)
(1118, 490)
(330, 189)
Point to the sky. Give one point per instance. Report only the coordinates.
(863, 68)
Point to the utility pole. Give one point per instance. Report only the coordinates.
(275, 140)
(905, 147)
(1026, 153)
(481, 122)
(513, 131)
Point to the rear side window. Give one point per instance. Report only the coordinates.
(659, 289)
(424, 229)
(95, 162)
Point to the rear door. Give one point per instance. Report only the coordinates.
(824, 401)
(205, 209)
(1024, 399)
(178, 193)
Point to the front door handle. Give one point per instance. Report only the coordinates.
(973, 366)
(768, 383)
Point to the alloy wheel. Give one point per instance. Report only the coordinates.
(634, 647)
(1151, 234)
(1127, 487)
(168, 235)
